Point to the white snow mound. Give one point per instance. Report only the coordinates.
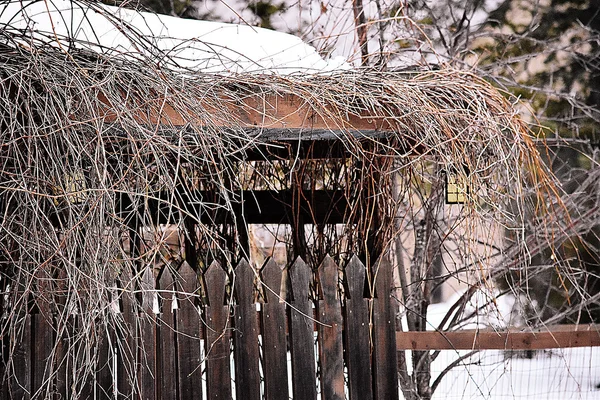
(171, 42)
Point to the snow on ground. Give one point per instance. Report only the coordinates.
(557, 374)
(180, 44)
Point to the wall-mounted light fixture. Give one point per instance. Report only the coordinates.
(457, 188)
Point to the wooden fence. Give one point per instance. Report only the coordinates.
(173, 344)
(174, 341)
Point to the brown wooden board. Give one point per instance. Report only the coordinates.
(385, 374)
(329, 313)
(188, 327)
(64, 321)
(106, 353)
(301, 328)
(42, 336)
(246, 345)
(358, 340)
(218, 375)
(167, 371)
(500, 340)
(274, 333)
(147, 320)
(127, 349)
(20, 381)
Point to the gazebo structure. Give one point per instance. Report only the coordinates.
(107, 153)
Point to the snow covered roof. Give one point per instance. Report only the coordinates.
(176, 43)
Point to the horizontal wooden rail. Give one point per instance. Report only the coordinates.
(559, 337)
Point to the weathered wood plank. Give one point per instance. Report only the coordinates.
(20, 381)
(147, 320)
(329, 311)
(274, 337)
(266, 111)
(301, 328)
(43, 336)
(246, 345)
(188, 326)
(167, 382)
(106, 352)
(64, 321)
(385, 373)
(491, 340)
(357, 321)
(127, 350)
(218, 375)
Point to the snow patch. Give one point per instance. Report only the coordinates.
(176, 43)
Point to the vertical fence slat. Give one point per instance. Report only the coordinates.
(106, 345)
(218, 376)
(274, 339)
(167, 370)
(358, 345)
(64, 322)
(147, 320)
(20, 382)
(301, 326)
(127, 346)
(384, 334)
(330, 332)
(188, 325)
(246, 346)
(42, 334)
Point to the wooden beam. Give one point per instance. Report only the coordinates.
(561, 337)
(267, 111)
(254, 207)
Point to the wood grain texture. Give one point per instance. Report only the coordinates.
(166, 365)
(127, 336)
(501, 340)
(329, 313)
(218, 374)
(385, 374)
(301, 327)
(246, 345)
(20, 381)
(148, 345)
(358, 340)
(274, 334)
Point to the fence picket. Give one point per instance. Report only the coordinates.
(356, 319)
(147, 320)
(274, 338)
(127, 337)
(64, 322)
(246, 346)
(188, 325)
(42, 334)
(385, 373)
(329, 313)
(218, 376)
(20, 381)
(167, 373)
(106, 342)
(301, 326)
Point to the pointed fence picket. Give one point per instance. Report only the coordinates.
(167, 339)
